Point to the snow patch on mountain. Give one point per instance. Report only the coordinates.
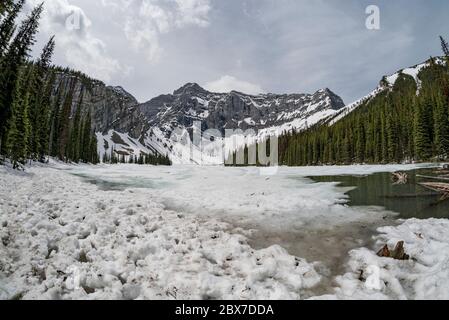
(122, 144)
(264, 114)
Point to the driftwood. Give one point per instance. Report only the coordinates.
(439, 187)
(398, 253)
(400, 177)
(436, 186)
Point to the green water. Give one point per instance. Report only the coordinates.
(410, 200)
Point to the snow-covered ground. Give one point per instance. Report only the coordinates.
(424, 277)
(180, 233)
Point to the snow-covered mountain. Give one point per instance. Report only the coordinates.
(387, 83)
(190, 105)
(127, 127)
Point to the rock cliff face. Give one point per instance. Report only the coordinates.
(235, 110)
(126, 126)
(111, 108)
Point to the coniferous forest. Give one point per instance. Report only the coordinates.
(39, 117)
(405, 123)
(34, 126)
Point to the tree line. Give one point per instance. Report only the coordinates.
(408, 122)
(148, 159)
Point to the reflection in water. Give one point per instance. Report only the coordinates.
(410, 200)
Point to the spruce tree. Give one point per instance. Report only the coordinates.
(442, 128)
(11, 62)
(39, 102)
(9, 12)
(75, 139)
(444, 46)
(64, 126)
(55, 122)
(7, 6)
(423, 133)
(44, 129)
(18, 134)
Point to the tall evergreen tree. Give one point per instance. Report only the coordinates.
(64, 125)
(444, 46)
(75, 138)
(44, 119)
(423, 131)
(442, 128)
(53, 148)
(39, 102)
(9, 11)
(18, 134)
(5, 7)
(11, 62)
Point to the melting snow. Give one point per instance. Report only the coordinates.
(63, 238)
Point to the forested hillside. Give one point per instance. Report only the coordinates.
(408, 121)
(33, 124)
(48, 111)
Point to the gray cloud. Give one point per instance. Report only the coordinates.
(229, 83)
(154, 46)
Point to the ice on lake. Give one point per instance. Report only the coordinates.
(309, 219)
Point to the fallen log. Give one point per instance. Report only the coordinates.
(442, 188)
(436, 186)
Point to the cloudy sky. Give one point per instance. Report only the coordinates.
(151, 47)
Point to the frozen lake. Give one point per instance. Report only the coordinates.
(309, 219)
(186, 232)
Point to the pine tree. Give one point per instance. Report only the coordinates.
(18, 134)
(11, 62)
(44, 119)
(64, 126)
(392, 139)
(360, 142)
(75, 139)
(423, 133)
(9, 11)
(444, 46)
(55, 122)
(5, 7)
(40, 103)
(442, 128)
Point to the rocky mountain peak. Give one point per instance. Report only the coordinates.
(190, 89)
(335, 101)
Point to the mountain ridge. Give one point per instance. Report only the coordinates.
(147, 127)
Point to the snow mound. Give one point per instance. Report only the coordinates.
(424, 276)
(65, 239)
